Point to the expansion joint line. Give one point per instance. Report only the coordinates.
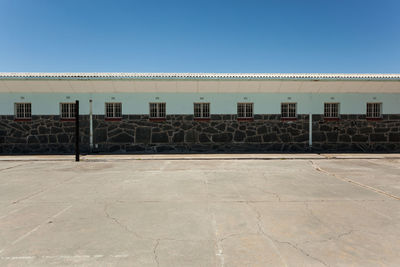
(376, 190)
(155, 252)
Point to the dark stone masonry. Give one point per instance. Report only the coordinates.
(183, 134)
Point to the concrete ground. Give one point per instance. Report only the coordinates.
(200, 210)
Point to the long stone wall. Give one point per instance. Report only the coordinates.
(356, 133)
(181, 133)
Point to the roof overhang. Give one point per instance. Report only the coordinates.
(196, 86)
(200, 76)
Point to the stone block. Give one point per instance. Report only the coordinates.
(121, 138)
(230, 129)
(325, 128)
(344, 138)
(301, 138)
(56, 130)
(143, 135)
(43, 139)
(100, 135)
(52, 139)
(378, 138)
(62, 138)
(318, 137)
(365, 130)
(250, 133)
(222, 138)
(239, 136)
(186, 126)
(351, 131)
(210, 130)
(262, 130)
(285, 137)
(293, 131)
(134, 148)
(359, 138)
(115, 148)
(159, 138)
(15, 140)
(270, 138)
(381, 130)
(178, 137)
(43, 130)
(190, 136)
(253, 139)
(332, 136)
(394, 137)
(32, 139)
(203, 138)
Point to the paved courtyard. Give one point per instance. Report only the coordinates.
(200, 210)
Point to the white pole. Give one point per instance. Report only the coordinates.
(310, 129)
(91, 124)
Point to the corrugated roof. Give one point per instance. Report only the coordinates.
(201, 76)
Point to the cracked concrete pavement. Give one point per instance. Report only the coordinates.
(265, 210)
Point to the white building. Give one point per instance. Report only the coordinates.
(182, 112)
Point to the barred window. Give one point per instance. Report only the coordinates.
(113, 110)
(288, 110)
(331, 110)
(245, 110)
(67, 110)
(201, 110)
(23, 110)
(374, 110)
(157, 110)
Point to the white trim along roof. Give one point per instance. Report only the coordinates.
(202, 76)
(197, 83)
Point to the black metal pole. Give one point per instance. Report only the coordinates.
(76, 130)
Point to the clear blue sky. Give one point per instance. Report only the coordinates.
(200, 36)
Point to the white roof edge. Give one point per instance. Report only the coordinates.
(268, 76)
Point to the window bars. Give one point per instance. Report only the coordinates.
(374, 110)
(331, 110)
(113, 110)
(201, 110)
(288, 110)
(67, 110)
(245, 110)
(157, 110)
(23, 110)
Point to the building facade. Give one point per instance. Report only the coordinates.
(142, 113)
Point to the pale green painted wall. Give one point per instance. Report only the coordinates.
(182, 103)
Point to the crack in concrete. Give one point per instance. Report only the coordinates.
(217, 241)
(15, 166)
(273, 240)
(302, 251)
(262, 232)
(42, 191)
(312, 213)
(126, 228)
(155, 252)
(296, 246)
(157, 240)
(276, 195)
(332, 238)
(36, 228)
(235, 235)
(376, 190)
(322, 223)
